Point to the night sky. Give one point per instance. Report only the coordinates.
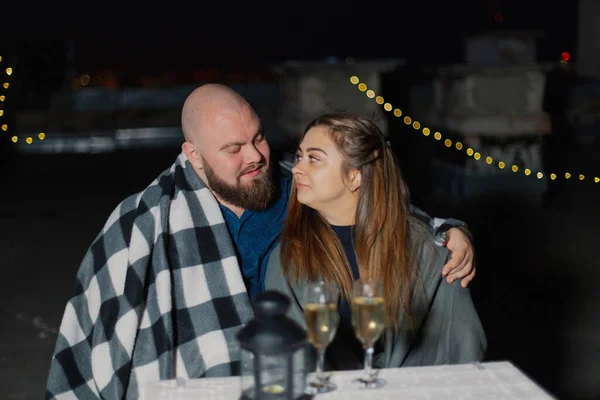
(238, 34)
(420, 31)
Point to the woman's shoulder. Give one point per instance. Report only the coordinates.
(275, 258)
(429, 257)
(274, 275)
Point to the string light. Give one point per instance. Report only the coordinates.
(29, 140)
(459, 146)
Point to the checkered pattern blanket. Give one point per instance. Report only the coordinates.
(159, 295)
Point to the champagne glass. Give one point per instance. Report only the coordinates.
(368, 319)
(322, 319)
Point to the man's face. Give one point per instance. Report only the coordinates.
(236, 160)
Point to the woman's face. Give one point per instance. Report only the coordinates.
(320, 179)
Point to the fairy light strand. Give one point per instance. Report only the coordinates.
(5, 128)
(417, 126)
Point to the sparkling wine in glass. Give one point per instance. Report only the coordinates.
(368, 320)
(322, 319)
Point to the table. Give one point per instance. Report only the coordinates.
(475, 381)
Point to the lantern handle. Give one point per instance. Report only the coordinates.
(270, 304)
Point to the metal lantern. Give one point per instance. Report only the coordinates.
(273, 351)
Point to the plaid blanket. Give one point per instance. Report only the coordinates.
(147, 304)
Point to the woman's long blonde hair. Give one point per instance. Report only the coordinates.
(311, 250)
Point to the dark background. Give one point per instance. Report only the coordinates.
(536, 288)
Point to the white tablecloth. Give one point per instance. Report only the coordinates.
(477, 381)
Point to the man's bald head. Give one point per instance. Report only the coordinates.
(226, 145)
(210, 105)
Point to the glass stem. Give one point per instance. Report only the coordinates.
(368, 371)
(321, 364)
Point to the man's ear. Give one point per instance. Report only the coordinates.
(355, 179)
(192, 154)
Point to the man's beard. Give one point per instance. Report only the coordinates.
(254, 196)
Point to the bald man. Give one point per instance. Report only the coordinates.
(167, 284)
(226, 145)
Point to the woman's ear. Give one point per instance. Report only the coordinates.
(354, 178)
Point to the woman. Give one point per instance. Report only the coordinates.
(349, 217)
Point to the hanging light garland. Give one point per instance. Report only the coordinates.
(29, 140)
(457, 145)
